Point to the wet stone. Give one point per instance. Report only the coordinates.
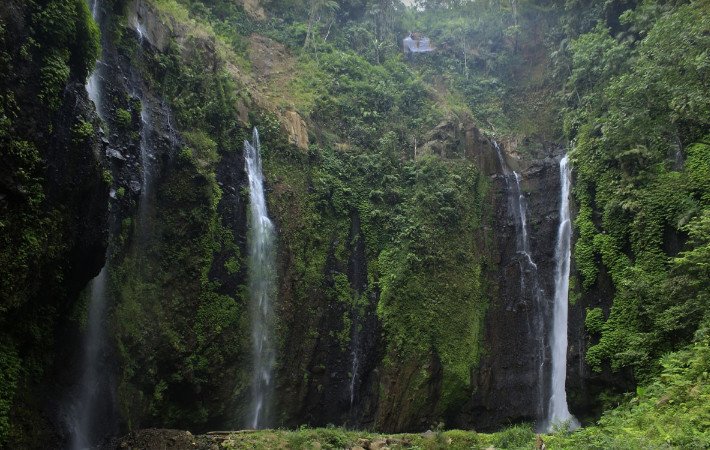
(115, 154)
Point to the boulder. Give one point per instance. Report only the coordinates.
(296, 129)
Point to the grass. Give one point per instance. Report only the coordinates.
(339, 438)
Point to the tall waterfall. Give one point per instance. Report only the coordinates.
(146, 149)
(91, 403)
(517, 208)
(262, 286)
(529, 279)
(558, 412)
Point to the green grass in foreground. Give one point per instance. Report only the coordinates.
(338, 438)
(672, 412)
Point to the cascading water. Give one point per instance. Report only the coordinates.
(140, 29)
(82, 417)
(147, 143)
(93, 84)
(529, 279)
(146, 155)
(92, 399)
(262, 286)
(558, 411)
(355, 361)
(90, 413)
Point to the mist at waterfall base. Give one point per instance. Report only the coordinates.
(262, 287)
(558, 411)
(89, 418)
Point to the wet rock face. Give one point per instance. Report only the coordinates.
(338, 390)
(155, 31)
(508, 377)
(53, 194)
(127, 105)
(124, 102)
(76, 183)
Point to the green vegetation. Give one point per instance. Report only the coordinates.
(625, 83)
(180, 334)
(414, 214)
(639, 107)
(9, 373)
(338, 438)
(388, 162)
(671, 412)
(123, 118)
(409, 228)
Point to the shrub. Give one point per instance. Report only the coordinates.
(516, 437)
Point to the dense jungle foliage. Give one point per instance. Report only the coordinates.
(625, 84)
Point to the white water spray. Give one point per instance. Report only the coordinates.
(262, 286)
(145, 147)
(558, 411)
(94, 90)
(517, 207)
(140, 29)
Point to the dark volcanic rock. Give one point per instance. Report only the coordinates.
(153, 439)
(340, 390)
(508, 379)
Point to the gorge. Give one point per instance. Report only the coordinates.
(506, 235)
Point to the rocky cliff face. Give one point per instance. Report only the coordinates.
(508, 379)
(342, 369)
(53, 203)
(349, 352)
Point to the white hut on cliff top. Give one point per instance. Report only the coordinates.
(414, 43)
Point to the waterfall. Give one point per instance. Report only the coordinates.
(558, 412)
(146, 149)
(140, 29)
(93, 84)
(529, 278)
(90, 412)
(353, 377)
(262, 286)
(83, 416)
(147, 142)
(517, 208)
(91, 402)
(355, 361)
